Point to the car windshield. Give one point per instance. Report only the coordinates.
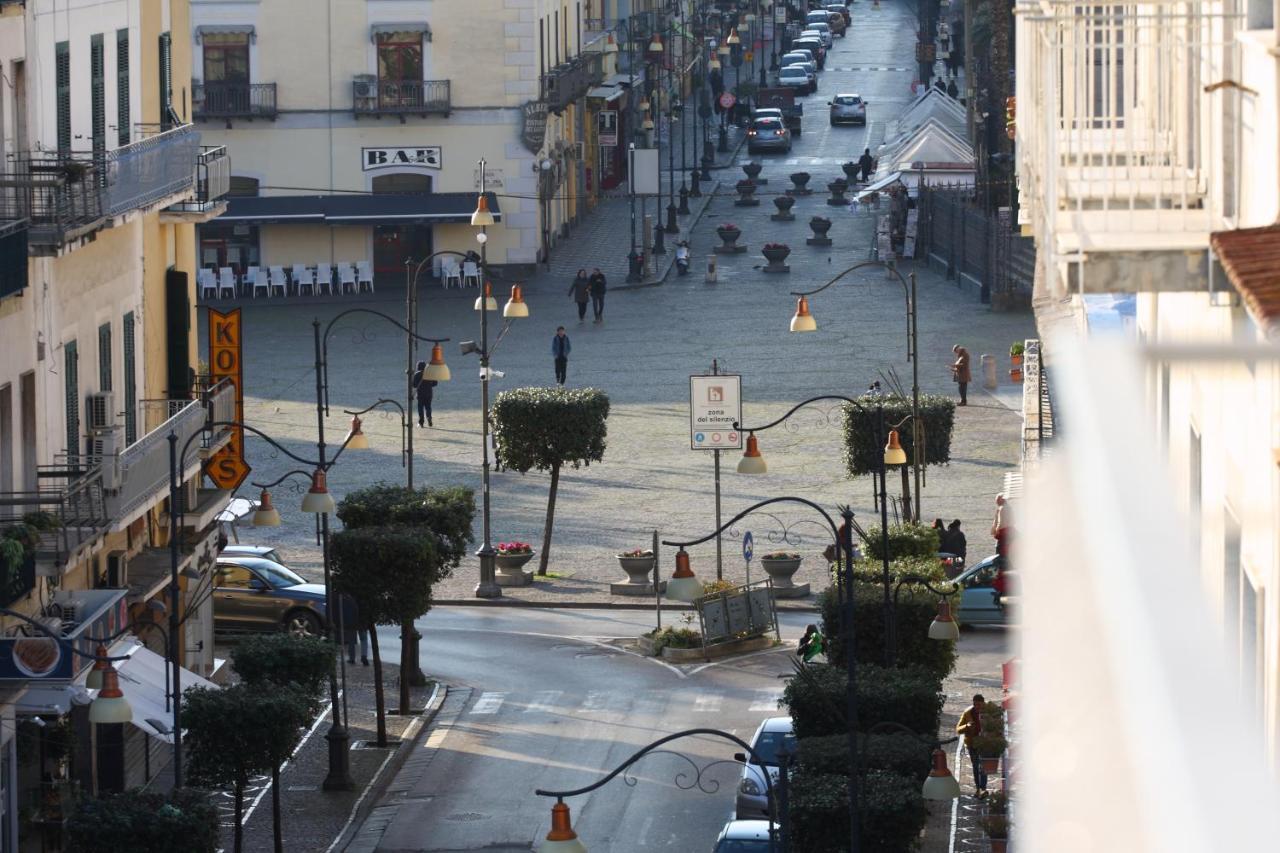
(848, 101)
(770, 743)
(793, 71)
(742, 845)
(273, 573)
(768, 124)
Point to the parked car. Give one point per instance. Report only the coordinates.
(979, 601)
(843, 11)
(810, 77)
(768, 741)
(816, 16)
(813, 45)
(769, 134)
(743, 836)
(824, 32)
(261, 551)
(783, 100)
(799, 57)
(848, 108)
(259, 595)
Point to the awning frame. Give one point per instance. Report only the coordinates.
(226, 28)
(421, 27)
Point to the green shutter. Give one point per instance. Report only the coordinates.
(98, 94)
(63, 73)
(130, 383)
(166, 81)
(104, 357)
(71, 380)
(122, 86)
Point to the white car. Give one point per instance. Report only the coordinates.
(769, 740)
(743, 836)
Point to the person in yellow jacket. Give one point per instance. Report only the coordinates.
(970, 726)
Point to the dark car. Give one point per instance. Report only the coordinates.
(770, 134)
(814, 46)
(257, 595)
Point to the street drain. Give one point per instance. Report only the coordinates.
(392, 743)
(465, 817)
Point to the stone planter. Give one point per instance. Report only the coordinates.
(990, 765)
(781, 573)
(800, 180)
(644, 645)
(639, 577)
(746, 194)
(775, 255)
(837, 189)
(511, 569)
(752, 171)
(820, 225)
(851, 171)
(730, 241)
(783, 203)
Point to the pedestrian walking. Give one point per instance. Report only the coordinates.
(960, 372)
(811, 644)
(970, 726)
(560, 347)
(425, 389)
(598, 286)
(363, 635)
(954, 540)
(580, 290)
(952, 89)
(867, 163)
(351, 632)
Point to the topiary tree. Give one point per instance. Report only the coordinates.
(389, 571)
(864, 442)
(891, 812)
(237, 732)
(280, 659)
(182, 821)
(545, 429)
(815, 698)
(914, 613)
(445, 516)
(912, 539)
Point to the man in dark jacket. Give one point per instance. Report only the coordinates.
(425, 389)
(867, 163)
(960, 372)
(598, 286)
(580, 290)
(560, 347)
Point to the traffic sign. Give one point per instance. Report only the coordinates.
(727, 100)
(715, 405)
(748, 546)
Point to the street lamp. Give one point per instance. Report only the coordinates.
(684, 585)
(266, 515)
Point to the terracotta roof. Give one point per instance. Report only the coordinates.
(1251, 257)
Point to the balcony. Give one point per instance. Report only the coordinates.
(570, 81)
(1117, 150)
(213, 183)
(227, 101)
(376, 97)
(71, 500)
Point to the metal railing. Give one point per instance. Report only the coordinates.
(371, 96)
(72, 494)
(144, 172)
(569, 81)
(213, 181)
(233, 100)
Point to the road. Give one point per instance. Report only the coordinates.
(540, 699)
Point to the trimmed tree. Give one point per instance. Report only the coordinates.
(182, 821)
(864, 442)
(545, 429)
(237, 732)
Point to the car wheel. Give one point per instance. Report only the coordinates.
(302, 623)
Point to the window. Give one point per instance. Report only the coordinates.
(98, 95)
(234, 577)
(399, 57)
(130, 382)
(226, 58)
(71, 385)
(104, 357)
(62, 60)
(122, 87)
(166, 81)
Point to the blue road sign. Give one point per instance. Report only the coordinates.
(748, 546)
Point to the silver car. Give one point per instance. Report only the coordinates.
(743, 836)
(823, 31)
(774, 734)
(768, 134)
(848, 108)
(794, 77)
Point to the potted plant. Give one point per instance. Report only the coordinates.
(784, 204)
(997, 829)
(746, 194)
(638, 564)
(729, 234)
(1015, 374)
(752, 170)
(837, 189)
(512, 556)
(851, 170)
(820, 225)
(801, 181)
(997, 803)
(990, 746)
(1015, 353)
(780, 566)
(775, 254)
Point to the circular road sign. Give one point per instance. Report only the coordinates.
(748, 546)
(727, 100)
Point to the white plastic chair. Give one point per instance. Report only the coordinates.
(347, 277)
(279, 280)
(260, 282)
(364, 275)
(452, 273)
(226, 284)
(226, 278)
(324, 277)
(303, 277)
(470, 274)
(247, 280)
(207, 283)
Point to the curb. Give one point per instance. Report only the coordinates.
(377, 786)
(589, 605)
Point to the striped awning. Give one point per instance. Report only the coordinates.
(224, 29)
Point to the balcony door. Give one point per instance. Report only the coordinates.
(226, 73)
(399, 69)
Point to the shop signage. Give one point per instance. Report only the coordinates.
(44, 658)
(227, 468)
(715, 405)
(607, 127)
(419, 157)
(533, 129)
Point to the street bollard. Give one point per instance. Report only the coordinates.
(711, 276)
(989, 372)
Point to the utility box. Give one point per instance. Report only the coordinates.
(989, 372)
(711, 268)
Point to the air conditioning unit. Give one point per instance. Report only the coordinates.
(100, 411)
(366, 85)
(105, 446)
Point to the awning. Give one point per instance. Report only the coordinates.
(1251, 258)
(878, 185)
(142, 678)
(229, 29)
(419, 27)
(356, 209)
(45, 700)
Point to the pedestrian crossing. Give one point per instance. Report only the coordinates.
(868, 68)
(646, 702)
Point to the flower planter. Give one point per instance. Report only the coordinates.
(746, 194)
(784, 204)
(990, 765)
(820, 225)
(837, 189)
(851, 171)
(752, 171)
(775, 255)
(1015, 360)
(730, 246)
(639, 569)
(800, 181)
(1015, 374)
(511, 569)
(781, 572)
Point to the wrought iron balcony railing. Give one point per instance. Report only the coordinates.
(569, 81)
(374, 96)
(233, 100)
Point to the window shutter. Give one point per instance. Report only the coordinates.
(71, 379)
(130, 383)
(98, 94)
(166, 81)
(104, 357)
(122, 87)
(63, 75)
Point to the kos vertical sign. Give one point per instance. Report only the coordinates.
(227, 468)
